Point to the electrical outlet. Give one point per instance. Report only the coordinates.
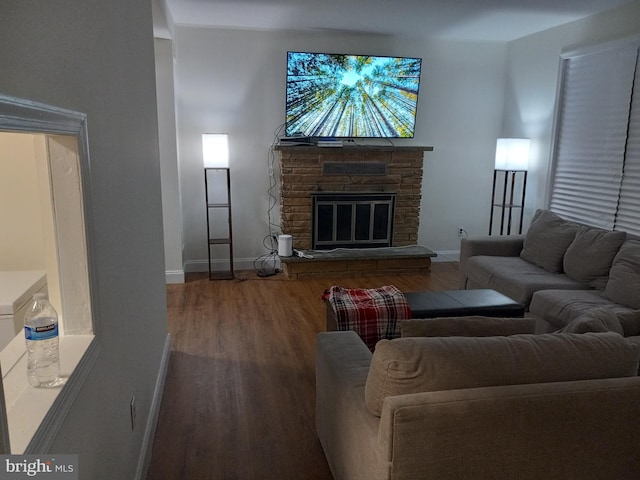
(461, 231)
(132, 406)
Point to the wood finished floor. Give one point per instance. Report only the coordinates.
(239, 399)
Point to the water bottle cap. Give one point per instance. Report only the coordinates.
(39, 296)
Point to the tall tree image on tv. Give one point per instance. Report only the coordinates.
(330, 95)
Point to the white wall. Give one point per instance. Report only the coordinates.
(169, 171)
(233, 81)
(463, 119)
(533, 74)
(98, 58)
(21, 242)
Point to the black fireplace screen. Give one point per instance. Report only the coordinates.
(351, 220)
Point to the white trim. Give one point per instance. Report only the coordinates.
(46, 409)
(554, 133)
(34, 415)
(154, 412)
(191, 266)
(174, 276)
(76, 350)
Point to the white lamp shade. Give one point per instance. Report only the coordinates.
(512, 153)
(215, 150)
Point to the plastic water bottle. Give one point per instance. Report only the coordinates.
(41, 335)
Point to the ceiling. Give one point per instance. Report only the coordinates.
(475, 20)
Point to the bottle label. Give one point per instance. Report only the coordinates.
(41, 333)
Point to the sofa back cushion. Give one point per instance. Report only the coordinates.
(547, 240)
(470, 326)
(422, 364)
(624, 277)
(590, 255)
(630, 322)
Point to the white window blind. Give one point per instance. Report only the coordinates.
(591, 135)
(628, 218)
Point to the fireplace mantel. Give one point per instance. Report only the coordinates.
(352, 148)
(394, 169)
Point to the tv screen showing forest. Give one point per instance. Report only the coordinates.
(331, 95)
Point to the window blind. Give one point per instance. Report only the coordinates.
(628, 217)
(591, 135)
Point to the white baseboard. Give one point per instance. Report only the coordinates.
(203, 265)
(174, 276)
(447, 256)
(192, 266)
(154, 412)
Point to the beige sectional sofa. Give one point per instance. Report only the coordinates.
(524, 406)
(559, 270)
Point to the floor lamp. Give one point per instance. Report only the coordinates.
(512, 161)
(217, 185)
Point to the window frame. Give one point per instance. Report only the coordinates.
(82, 347)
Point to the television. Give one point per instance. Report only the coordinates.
(351, 96)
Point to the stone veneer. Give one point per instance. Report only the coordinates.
(301, 173)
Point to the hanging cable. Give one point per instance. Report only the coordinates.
(267, 264)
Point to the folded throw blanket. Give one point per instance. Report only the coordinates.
(373, 313)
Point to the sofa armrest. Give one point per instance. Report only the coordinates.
(345, 428)
(589, 428)
(503, 246)
(342, 357)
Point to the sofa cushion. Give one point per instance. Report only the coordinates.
(634, 340)
(547, 240)
(470, 326)
(590, 255)
(560, 307)
(624, 277)
(595, 320)
(630, 322)
(421, 364)
(514, 277)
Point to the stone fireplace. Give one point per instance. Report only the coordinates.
(310, 174)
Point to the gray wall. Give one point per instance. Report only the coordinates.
(98, 58)
(233, 81)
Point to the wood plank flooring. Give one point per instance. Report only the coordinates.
(239, 399)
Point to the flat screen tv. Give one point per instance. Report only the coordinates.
(351, 96)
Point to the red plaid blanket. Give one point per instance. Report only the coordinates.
(373, 313)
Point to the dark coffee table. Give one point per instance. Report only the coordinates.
(453, 303)
(460, 303)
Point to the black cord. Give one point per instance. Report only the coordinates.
(267, 264)
(273, 183)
